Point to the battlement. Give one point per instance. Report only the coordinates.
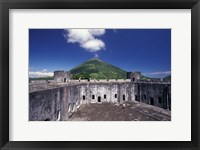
(52, 84)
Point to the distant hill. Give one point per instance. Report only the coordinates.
(41, 78)
(145, 77)
(98, 69)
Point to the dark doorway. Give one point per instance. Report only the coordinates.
(83, 97)
(99, 99)
(159, 100)
(93, 97)
(105, 96)
(123, 97)
(133, 79)
(64, 79)
(151, 101)
(136, 98)
(115, 95)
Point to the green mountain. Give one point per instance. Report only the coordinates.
(98, 69)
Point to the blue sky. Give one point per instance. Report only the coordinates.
(145, 50)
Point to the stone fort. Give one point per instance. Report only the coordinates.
(57, 99)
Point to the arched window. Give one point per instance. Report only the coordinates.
(93, 97)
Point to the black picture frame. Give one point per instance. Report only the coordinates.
(5, 5)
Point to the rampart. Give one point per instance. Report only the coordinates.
(57, 101)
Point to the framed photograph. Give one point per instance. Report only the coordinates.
(92, 88)
(99, 74)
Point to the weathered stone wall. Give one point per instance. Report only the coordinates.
(134, 76)
(63, 101)
(59, 76)
(157, 94)
(106, 92)
(45, 105)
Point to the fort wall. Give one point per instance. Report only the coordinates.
(59, 102)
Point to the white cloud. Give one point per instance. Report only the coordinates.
(93, 45)
(158, 73)
(43, 73)
(87, 38)
(44, 70)
(78, 35)
(97, 32)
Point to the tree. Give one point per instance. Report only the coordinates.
(81, 76)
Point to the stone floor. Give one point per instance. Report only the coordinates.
(129, 111)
